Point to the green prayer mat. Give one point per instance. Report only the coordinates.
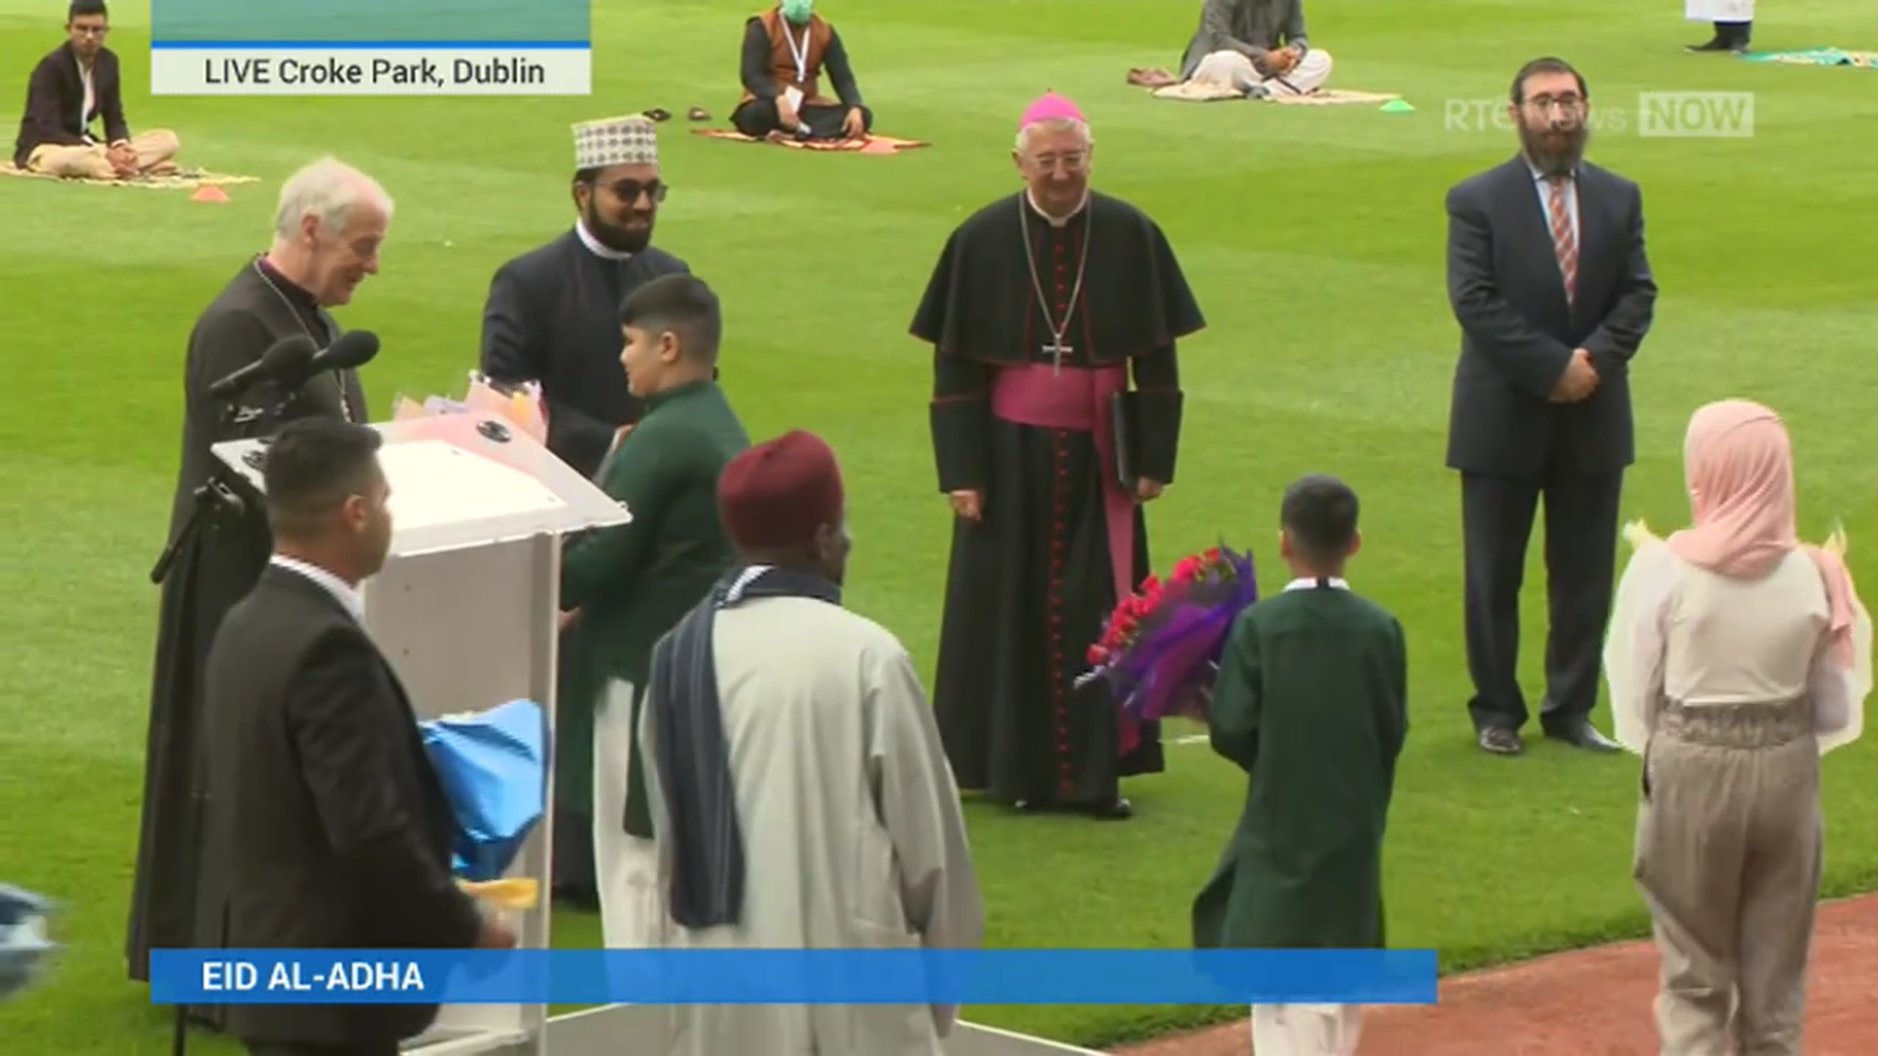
(1867, 60)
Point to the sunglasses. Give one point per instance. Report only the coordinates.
(630, 190)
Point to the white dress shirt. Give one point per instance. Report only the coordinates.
(344, 593)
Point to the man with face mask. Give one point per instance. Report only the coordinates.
(331, 222)
(552, 317)
(785, 51)
(1040, 307)
(1549, 280)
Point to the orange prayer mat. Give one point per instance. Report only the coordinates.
(871, 145)
(184, 178)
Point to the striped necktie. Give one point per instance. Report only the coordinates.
(1564, 245)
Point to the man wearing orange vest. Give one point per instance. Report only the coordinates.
(785, 50)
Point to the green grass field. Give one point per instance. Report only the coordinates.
(1313, 236)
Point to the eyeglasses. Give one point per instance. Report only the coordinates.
(1072, 161)
(630, 190)
(1569, 103)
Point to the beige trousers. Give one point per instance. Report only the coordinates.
(1729, 845)
(1306, 1030)
(1229, 69)
(154, 150)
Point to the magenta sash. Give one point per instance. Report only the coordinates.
(1077, 399)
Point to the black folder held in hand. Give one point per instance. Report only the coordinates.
(1124, 422)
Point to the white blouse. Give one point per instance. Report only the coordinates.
(1682, 633)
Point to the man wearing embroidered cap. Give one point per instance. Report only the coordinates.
(553, 316)
(801, 797)
(1039, 309)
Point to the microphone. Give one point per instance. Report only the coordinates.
(288, 356)
(355, 348)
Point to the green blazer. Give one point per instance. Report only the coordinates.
(1312, 703)
(633, 582)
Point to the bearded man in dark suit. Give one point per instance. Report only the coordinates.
(1552, 288)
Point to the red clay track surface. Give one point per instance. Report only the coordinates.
(1593, 1002)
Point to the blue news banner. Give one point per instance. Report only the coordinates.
(845, 977)
(369, 47)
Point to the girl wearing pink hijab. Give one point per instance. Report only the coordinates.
(1737, 657)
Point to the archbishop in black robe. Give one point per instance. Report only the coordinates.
(174, 900)
(1032, 582)
(553, 316)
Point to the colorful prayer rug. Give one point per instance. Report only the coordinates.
(870, 145)
(1867, 60)
(1195, 92)
(184, 179)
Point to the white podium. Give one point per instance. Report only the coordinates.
(466, 609)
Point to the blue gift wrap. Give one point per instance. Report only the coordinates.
(494, 768)
(24, 947)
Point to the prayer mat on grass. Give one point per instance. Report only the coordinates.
(1867, 60)
(870, 145)
(183, 179)
(1194, 92)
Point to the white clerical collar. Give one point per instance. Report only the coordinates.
(342, 592)
(595, 246)
(1051, 220)
(1309, 583)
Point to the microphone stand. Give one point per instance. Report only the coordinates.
(216, 498)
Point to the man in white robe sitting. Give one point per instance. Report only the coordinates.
(1256, 48)
(800, 795)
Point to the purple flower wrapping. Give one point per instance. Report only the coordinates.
(1175, 655)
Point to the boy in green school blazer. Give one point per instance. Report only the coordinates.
(1312, 702)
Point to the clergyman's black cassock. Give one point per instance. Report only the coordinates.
(213, 570)
(553, 317)
(1030, 586)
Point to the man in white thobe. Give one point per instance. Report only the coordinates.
(1733, 19)
(1256, 47)
(800, 793)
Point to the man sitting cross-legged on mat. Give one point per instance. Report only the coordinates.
(784, 52)
(1238, 46)
(70, 90)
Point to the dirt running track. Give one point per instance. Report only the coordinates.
(1593, 1002)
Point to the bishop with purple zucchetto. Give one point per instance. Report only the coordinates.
(1056, 411)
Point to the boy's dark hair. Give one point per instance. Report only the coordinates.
(80, 8)
(312, 465)
(683, 304)
(1320, 513)
(1546, 65)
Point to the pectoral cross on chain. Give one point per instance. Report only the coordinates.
(1056, 350)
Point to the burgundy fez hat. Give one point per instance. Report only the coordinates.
(778, 493)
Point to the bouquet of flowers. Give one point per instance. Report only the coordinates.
(1161, 647)
(521, 405)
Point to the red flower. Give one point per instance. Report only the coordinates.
(1151, 586)
(1098, 654)
(1215, 556)
(1189, 568)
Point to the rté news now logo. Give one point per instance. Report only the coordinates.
(1657, 115)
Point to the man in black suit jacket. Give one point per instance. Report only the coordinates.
(335, 827)
(1549, 280)
(553, 317)
(69, 91)
(552, 314)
